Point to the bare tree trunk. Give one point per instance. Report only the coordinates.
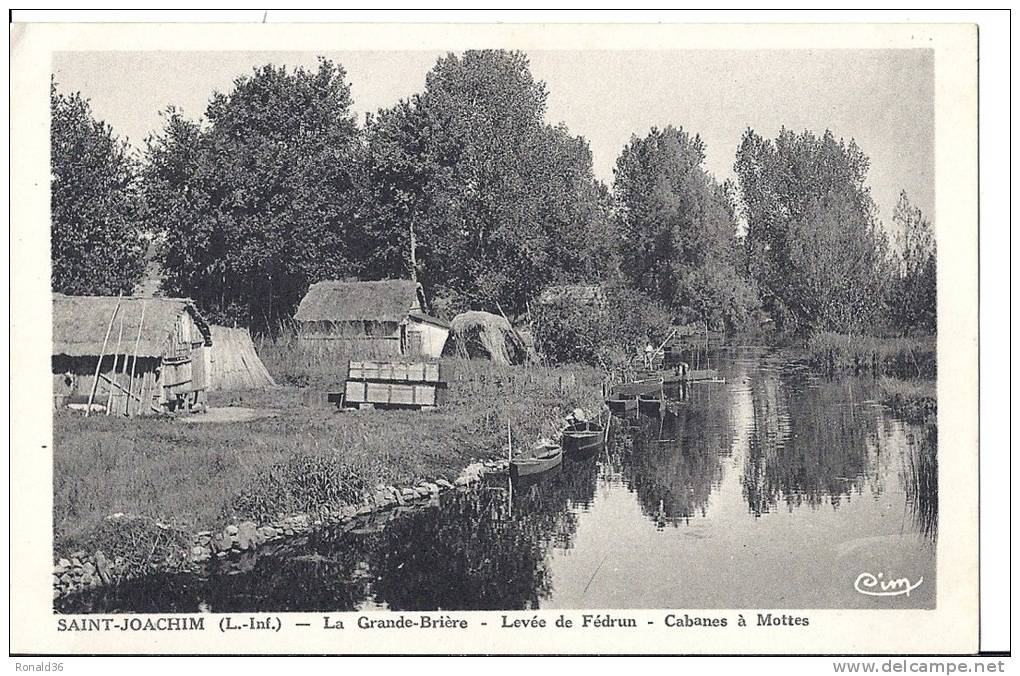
(414, 257)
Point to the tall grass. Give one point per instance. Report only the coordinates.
(920, 478)
(309, 362)
(840, 353)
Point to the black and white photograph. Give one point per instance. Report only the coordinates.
(366, 332)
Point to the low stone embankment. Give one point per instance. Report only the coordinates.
(80, 571)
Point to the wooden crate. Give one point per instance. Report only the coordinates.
(415, 372)
(354, 391)
(392, 385)
(389, 394)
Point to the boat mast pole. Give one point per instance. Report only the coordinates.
(509, 473)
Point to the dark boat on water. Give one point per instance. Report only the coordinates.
(677, 376)
(666, 378)
(543, 457)
(635, 388)
(651, 404)
(621, 404)
(583, 436)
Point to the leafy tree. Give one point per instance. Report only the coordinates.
(913, 299)
(97, 244)
(840, 273)
(803, 197)
(677, 230)
(260, 198)
(499, 202)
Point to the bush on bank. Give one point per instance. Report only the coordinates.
(606, 334)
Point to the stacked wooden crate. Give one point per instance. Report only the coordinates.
(420, 385)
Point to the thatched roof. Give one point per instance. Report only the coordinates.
(80, 323)
(388, 300)
(484, 335)
(571, 294)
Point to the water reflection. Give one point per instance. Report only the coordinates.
(672, 470)
(695, 492)
(810, 444)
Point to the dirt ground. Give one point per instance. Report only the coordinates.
(229, 414)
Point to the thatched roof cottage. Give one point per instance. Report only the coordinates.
(387, 317)
(153, 354)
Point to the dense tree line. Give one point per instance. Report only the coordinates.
(813, 243)
(466, 188)
(261, 198)
(96, 243)
(678, 231)
(500, 203)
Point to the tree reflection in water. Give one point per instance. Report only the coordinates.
(809, 445)
(672, 469)
(484, 549)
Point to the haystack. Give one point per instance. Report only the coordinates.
(235, 364)
(483, 335)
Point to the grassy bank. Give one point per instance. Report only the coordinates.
(906, 357)
(195, 477)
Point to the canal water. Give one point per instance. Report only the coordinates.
(777, 488)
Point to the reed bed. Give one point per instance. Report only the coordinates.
(842, 353)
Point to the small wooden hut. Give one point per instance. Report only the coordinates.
(131, 355)
(386, 317)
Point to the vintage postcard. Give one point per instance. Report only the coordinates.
(513, 339)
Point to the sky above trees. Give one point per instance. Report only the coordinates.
(882, 98)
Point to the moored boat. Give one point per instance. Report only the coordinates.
(666, 378)
(653, 404)
(543, 456)
(583, 436)
(635, 388)
(621, 404)
(700, 375)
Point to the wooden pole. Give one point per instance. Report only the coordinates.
(141, 392)
(509, 441)
(134, 362)
(113, 373)
(102, 353)
(509, 473)
(663, 344)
